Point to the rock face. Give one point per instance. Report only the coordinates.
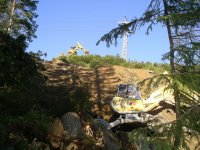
(72, 126)
(109, 140)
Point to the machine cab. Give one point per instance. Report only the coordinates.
(127, 100)
(128, 91)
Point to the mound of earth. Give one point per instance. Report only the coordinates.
(101, 82)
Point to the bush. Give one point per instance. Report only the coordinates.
(16, 65)
(96, 61)
(2, 134)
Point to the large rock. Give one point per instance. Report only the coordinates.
(72, 126)
(65, 130)
(109, 139)
(111, 142)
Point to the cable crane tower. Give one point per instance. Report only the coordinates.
(124, 52)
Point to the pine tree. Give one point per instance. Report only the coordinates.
(182, 21)
(17, 17)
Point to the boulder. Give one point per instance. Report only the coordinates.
(72, 126)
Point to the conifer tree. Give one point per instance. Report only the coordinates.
(17, 17)
(182, 21)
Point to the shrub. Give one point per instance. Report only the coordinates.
(16, 65)
(96, 61)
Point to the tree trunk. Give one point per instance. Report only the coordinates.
(172, 64)
(11, 16)
(173, 71)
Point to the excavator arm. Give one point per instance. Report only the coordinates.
(74, 50)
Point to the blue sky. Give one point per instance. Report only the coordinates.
(62, 23)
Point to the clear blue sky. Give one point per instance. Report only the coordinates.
(62, 23)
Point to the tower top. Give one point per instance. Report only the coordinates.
(124, 53)
(125, 21)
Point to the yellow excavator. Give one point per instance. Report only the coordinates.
(73, 50)
(159, 108)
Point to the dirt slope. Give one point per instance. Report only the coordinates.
(101, 82)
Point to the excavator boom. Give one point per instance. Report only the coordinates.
(74, 50)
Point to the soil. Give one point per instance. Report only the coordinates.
(101, 82)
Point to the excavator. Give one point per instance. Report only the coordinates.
(129, 107)
(74, 49)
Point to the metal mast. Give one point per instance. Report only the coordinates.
(124, 53)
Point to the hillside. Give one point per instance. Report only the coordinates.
(65, 88)
(101, 82)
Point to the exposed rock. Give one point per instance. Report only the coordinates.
(65, 131)
(69, 134)
(111, 142)
(108, 138)
(72, 125)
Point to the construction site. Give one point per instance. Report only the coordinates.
(62, 89)
(118, 101)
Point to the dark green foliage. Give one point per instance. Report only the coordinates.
(56, 101)
(143, 138)
(97, 61)
(29, 112)
(79, 99)
(185, 13)
(21, 130)
(182, 21)
(188, 57)
(94, 64)
(188, 135)
(3, 6)
(21, 22)
(3, 134)
(16, 65)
